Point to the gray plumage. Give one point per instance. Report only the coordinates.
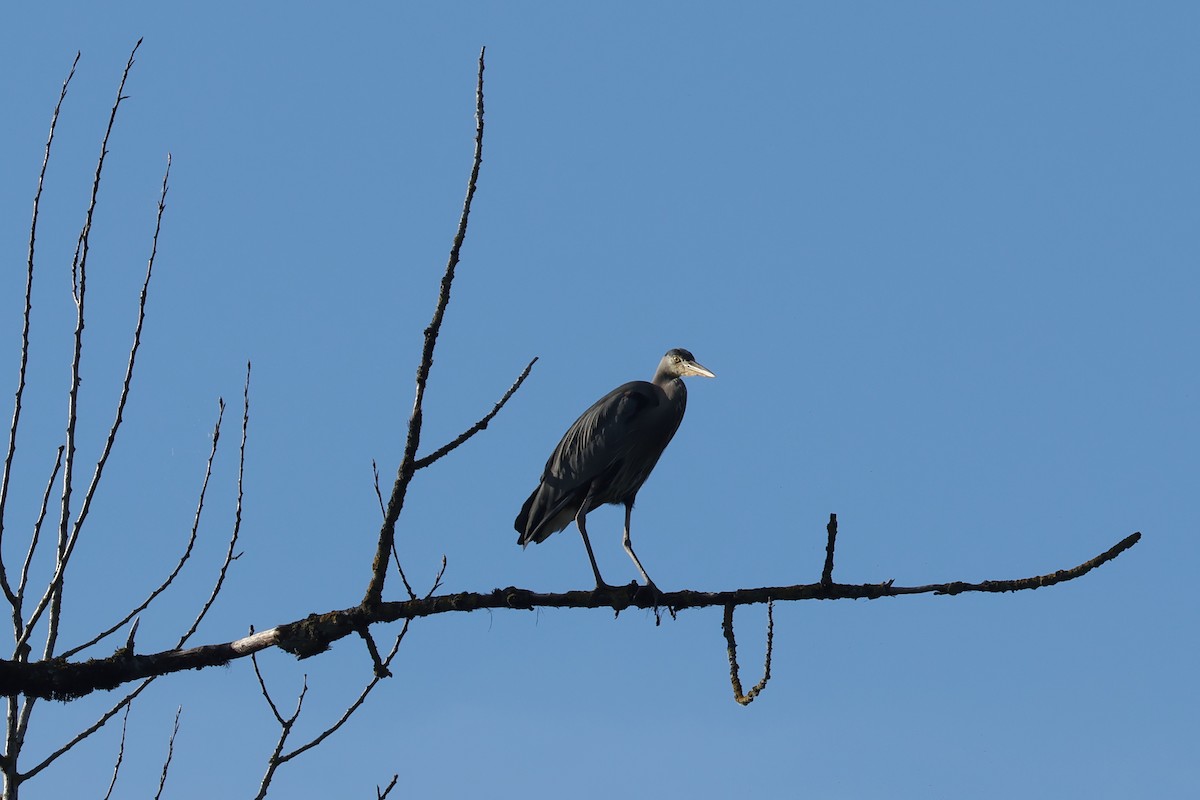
(608, 453)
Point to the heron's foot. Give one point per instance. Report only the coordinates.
(656, 598)
(649, 590)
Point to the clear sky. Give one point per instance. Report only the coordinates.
(942, 257)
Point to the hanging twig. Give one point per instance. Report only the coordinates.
(731, 645)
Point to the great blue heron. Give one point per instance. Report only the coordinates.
(607, 454)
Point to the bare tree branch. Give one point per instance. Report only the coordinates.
(315, 633)
(66, 535)
(408, 463)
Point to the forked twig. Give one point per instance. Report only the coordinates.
(325, 734)
(237, 517)
(285, 725)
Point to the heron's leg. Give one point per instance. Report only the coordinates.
(629, 545)
(580, 518)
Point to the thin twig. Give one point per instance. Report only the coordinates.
(21, 630)
(26, 320)
(262, 684)
(387, 533)
(422, 463)
(120, 755)
(237, 517)
(382, 794)
(162, 781)
(395, 556)
(378, 493)
(67, 536)
(187, 551)
(88, 731)
(731, 645)
(381, 671)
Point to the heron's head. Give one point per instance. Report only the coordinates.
(680, 363)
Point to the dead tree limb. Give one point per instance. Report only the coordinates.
(408, 463)
(314, 634)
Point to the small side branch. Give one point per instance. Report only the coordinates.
(422, 463)
(731, 645)
(381, 794)
(830, 543)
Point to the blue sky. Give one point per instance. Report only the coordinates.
(942, 258)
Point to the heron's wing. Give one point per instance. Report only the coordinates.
(601, 437)
(598, 440)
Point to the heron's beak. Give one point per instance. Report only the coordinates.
(695, 369)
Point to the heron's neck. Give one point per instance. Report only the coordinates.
(672, 386)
